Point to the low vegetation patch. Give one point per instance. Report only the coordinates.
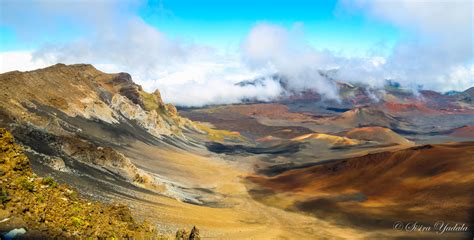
(53, 211)
(219, 135)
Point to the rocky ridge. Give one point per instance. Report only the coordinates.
(78, 112)
(82, 91)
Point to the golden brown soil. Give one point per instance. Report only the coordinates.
(238, 215)
(330, 140)
(378, 134)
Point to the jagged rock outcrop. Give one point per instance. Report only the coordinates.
(182, 234)
(124, 84)
(105, 157)
(194, 235)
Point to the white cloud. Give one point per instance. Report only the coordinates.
(285, 51)
(217, 91)
(115, 40)
(438, 41)
(430, 17)
(186, 74)
(136, 45)
(19, 60)
(460, 76)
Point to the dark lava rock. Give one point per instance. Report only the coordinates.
(194, 235)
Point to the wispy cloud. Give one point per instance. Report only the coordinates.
(437, 50)
(285, 51)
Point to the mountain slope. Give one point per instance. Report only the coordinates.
(78, 124)
(83, 91)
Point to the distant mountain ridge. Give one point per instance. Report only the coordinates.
(351, 94)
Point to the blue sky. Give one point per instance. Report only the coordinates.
(223, 24)
(191, 50)
(325, 24)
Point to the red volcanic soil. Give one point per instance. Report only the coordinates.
(409, 107)
(424, 183)
(429, 106)
(465, 132)
(379, 134)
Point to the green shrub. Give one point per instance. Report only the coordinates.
(4, 196)
(49, 181)
(77, 222)
(24, 183)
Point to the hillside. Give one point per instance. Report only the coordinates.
(74, 118)
(82, 127)
(423, 183)
(378, 134)
(50, 210)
